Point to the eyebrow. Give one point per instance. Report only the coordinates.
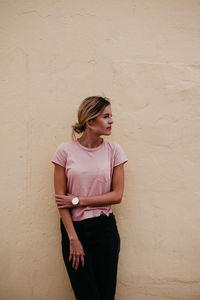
(107, 114)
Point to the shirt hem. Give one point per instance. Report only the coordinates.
(93, 215)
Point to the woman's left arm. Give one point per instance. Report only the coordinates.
(113, 197)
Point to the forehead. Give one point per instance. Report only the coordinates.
(107, 110)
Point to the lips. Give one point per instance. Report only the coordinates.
(109, 127)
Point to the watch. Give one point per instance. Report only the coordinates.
(75, 201)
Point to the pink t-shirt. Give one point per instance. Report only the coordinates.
(89, 172)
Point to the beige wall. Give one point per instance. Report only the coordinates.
(145, 56)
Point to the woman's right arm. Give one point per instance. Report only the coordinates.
(76, 249)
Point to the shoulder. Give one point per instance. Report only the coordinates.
(65, 146)
(118, 154)
(113, 145)
(62, 153)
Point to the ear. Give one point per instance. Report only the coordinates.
(89, 123)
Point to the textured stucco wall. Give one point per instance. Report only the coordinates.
(145, 56)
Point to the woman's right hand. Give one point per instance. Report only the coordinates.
(76, 253)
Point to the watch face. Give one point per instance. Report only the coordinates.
(75, 201)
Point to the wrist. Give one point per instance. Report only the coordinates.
(81, 201)
(75, 201)
(73, 238)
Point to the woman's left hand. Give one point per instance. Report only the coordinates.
(64, 201)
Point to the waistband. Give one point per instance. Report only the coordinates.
(94, 220)
(93, 224)
(100, 222)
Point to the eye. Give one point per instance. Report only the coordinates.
(107, 116)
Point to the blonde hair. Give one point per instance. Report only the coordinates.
(89, 109)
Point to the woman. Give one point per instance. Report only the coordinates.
(88, 179)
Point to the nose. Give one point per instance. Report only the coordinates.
(111, 120)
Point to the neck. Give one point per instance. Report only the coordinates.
(90, 140)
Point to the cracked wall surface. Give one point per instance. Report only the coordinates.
(145, 56)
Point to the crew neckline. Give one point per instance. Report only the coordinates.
(90, 149)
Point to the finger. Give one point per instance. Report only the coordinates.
(59, 196)
(64, 206)
(70, 257)
(77, 262)
(60, 201)
(73, 261)
(60, 204)
(82, 260)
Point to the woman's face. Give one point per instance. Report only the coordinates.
(102, 124)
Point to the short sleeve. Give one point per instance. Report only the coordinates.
(119, 156)
(60, 156)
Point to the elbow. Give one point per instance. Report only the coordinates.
(118, 198)
(118, 201)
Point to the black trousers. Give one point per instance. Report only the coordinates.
(101, 242)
